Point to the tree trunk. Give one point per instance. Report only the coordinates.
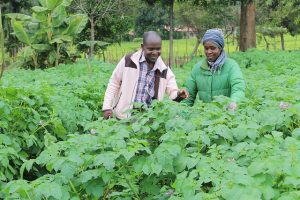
(196, 46)
(282, 41)
(267, 43)
(2, 46)
(103, 55)
(92, 37)
(171, 12)
(247, 25)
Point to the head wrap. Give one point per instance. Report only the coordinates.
(214, 35)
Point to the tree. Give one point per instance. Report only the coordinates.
(247, 25)
(99, 11)
(151, 17)
(277, 18)
(247, 19)
(205, 18)
(286, 13)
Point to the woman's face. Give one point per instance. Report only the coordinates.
(212, 52)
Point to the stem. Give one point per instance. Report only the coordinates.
(57, 54)
(2, 45)
(34, 58)
(73, 188)
(89, 66)
(27, 195)
(49, 33)
(131, 188)
(92, 37)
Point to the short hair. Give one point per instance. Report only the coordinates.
(150, 34)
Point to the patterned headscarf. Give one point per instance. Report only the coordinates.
(216, 37)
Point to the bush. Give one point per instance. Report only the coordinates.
(46, 34)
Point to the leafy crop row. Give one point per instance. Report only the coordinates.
(169, 151)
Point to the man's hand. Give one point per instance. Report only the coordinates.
(232, 106)
(107, 114)
(183, 93)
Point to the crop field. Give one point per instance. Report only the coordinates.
(54, 143)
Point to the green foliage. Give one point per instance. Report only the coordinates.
(35, 112)
(272, 31)
(47, 34)
(280, 14)
(99, 45)
(203, 18)
(152, 17)
(167, 151)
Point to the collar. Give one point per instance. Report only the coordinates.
(156, 64)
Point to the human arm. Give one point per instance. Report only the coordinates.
(237, 84)
(172, 89)
(113, 88)
(192, 89)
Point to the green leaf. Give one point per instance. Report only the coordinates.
(127, 154)
(224, 132)
(59, 16)
(107, 159)
(39, 9)
(88, 175)
(41, 47)
(28, 165)
(150, 185)
(50, 4)
(49, 190)
(20, 32)
(256, 168)
(52, 57)
(95, 188)
(18, 16)
(67, 2)
(58, 128)
(102, 44)
(68, 169)
(296, 133)
(268, 192)
(76, 24)
(156, 168)
(239, 192)
(61, 39)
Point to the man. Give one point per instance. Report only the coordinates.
(140, 77)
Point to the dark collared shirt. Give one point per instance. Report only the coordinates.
(145, 86)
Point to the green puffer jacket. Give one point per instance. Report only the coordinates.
(228, 82)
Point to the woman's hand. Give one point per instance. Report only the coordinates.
(183, 93)
(232, 106)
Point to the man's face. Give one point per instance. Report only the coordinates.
(152, 50)
(212, 52)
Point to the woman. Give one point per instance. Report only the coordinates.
(216, 74)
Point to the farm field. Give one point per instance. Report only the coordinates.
(184, 47)
(54, 143)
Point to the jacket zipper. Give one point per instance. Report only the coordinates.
(211, 95)
(118, 101)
